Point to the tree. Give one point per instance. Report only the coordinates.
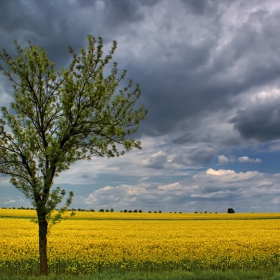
(59, 118)
(230, 211)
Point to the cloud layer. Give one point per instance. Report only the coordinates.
(249, 191)
(209, 73)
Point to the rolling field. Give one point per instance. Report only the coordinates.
(94, 242)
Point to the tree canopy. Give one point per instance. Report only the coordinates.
(58, 118)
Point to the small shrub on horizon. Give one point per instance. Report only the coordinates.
(230, 211)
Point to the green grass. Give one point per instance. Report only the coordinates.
(171, 275)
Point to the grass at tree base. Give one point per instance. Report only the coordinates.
(270, 274)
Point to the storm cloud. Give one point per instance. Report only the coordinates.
(209, 72)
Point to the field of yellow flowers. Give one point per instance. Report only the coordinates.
(92, 242)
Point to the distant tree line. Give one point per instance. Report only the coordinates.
(205, 212)
(21, 208)
(229, 210)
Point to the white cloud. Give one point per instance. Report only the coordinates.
(265, 184)
(10, 201)
(122, 196)
(230, 176)
(244, 159)
(173, 186)
(143, 179)
(276, 200)
(219, 172)
(157, 160)
(223, 159)
(250, 160)
(213, 190)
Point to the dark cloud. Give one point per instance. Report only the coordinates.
(201, 7)
(125, 11)
(202, 156)
(202, 76)
(190, 137)
(260, 122)
(185, 138)
(57, 25)
(198, 63)
(184, 76)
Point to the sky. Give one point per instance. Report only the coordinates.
(209, 73)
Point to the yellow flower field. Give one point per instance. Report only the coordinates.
(91, 242)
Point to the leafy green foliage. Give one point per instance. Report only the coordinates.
(61, 117)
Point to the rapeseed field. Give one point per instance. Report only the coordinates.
(93, 242)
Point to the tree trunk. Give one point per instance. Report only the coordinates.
(43, 228)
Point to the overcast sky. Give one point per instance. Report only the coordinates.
(210, 75)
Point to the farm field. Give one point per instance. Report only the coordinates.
(92, 242)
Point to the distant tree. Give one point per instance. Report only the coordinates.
(135, 211)
(230, 211)
(59, 118)
(111, 210)
(101, 210)
(140, 211)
